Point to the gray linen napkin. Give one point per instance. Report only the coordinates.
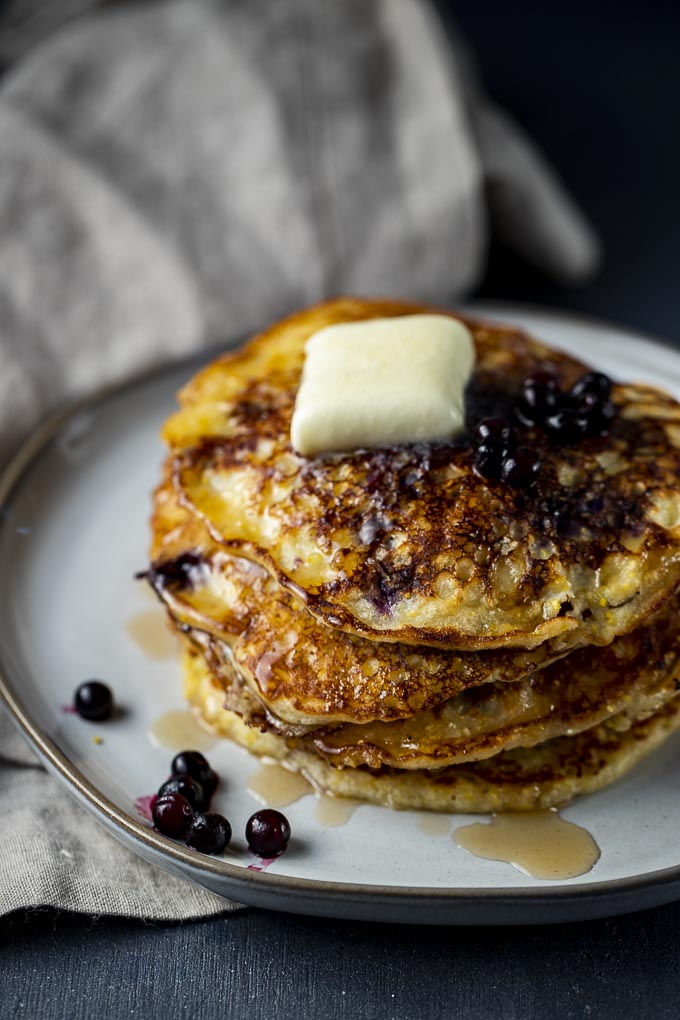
(174, 173)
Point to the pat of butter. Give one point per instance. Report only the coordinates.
(379, 382)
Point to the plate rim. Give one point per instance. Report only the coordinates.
(421, 904)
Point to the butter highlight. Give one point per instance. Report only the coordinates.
(380, 382)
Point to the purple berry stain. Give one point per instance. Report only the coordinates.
(144, 806)
(262, 863)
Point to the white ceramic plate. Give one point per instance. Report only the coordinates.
(73, 531)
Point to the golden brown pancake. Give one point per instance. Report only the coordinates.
(409, 544)
(548, 775)
(631, 678)
(311, 676)
(303, 670)
(401, 629)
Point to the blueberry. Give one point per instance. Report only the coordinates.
(595, 383)
(538, 398)
(600, 421)
(521, 467)
(209, 833)
(568, 425)
(589, 396)
(187, 788)
(94, 701)
(190, 763)
(565, 524)
(587, 404)
(209, 785)
(593, 506)
(172, 815)
(193, 763)
(176, 575)
(267, 833)
(493, 432)
(488, 461)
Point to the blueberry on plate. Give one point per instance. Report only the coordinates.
(268, 833)
(187, 788)
(208, 833)
(94, 701)
(172, 814)
(194, 764)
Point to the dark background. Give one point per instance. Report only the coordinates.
(598, 86)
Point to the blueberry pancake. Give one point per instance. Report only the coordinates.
(413, 543)
(631, 679)
(524, 779)
(306, 671)
(357, 702)
(482, 619)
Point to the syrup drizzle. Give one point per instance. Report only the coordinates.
(150, 632)
(539, 843)
(332, 812)
(275, 786)
(432, 824)
(178, 730)
(149, 595)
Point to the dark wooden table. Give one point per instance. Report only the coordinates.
(263, 966)
(599, 86)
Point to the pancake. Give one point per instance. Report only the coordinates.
(397, 627)
(408, 544)
(308, 675)
(519, 780)
(306, 672)
(631, 678)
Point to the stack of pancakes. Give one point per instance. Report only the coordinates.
(401, 629)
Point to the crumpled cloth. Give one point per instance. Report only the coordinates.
(52, 853)
(175, 173)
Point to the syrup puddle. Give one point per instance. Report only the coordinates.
(150, 632)
(149, 595)
(539, 843)
(335, 811)
(274, 786)
(178, 730)
(433, 824)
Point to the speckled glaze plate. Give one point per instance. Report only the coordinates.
(73, 530)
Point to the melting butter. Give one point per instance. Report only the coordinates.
(378, 382)
(540, 843)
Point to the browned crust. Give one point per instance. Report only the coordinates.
(448, 521)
